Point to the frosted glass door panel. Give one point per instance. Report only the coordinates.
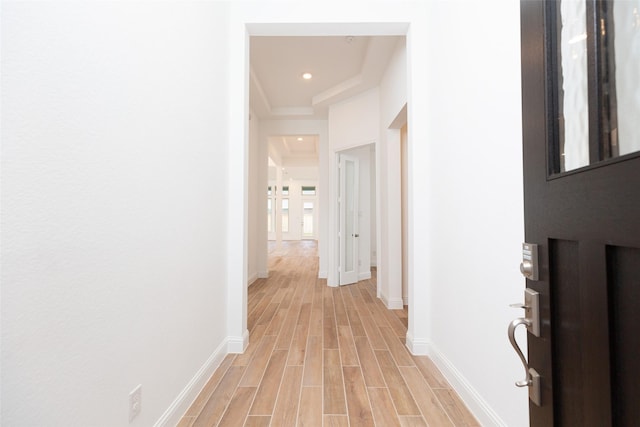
(595, 81)
(574, 119)
(349, 220)
(626, 15)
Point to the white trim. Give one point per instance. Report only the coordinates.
(238, 345)
(322, 274)
(263, 274)
(179, 406)
(391, 304)
(417, 347)
(395, 304)
(252, 279)
(471, 398)
(405, 300)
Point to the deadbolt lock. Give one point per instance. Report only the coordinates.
(529, 264)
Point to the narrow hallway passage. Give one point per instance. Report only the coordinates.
(321, 356)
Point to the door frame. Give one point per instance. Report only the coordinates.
(242, 26)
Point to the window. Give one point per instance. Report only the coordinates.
(285, 190)
(308, 190)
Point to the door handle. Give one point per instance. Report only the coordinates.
(532, 322)
(355, 235)
(512, 338)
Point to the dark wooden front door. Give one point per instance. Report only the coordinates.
(582, 207)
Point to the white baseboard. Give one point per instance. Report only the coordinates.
(365, 275)
(322, 274)
(476, 404)
(238, 344)
(179, 406)
(417, 347)
(405, 300)
(263, 274)
(393, 303)
(252, 278)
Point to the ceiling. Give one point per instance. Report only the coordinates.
(294, 150)
(342, 67)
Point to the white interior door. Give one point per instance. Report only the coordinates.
(348, 208)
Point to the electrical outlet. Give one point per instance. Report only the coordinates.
(135, 402)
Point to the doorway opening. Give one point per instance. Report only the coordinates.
(292, 188)
(356, 207)
(281, 122)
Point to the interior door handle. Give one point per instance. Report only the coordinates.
(356, 235)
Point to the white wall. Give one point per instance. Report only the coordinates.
(474, 196)
(353, 123)
(393, 86)
(114, 171)
(393, 101)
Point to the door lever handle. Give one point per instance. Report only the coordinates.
(512, 339)
(531, 321)
(519, 305)
(532, 379)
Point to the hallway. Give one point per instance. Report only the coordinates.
(323, 356)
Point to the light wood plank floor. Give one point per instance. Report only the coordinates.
(321, 356)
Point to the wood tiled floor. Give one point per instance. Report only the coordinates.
(321, 356)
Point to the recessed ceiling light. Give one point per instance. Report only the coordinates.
(307, 76)
(299, 139)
